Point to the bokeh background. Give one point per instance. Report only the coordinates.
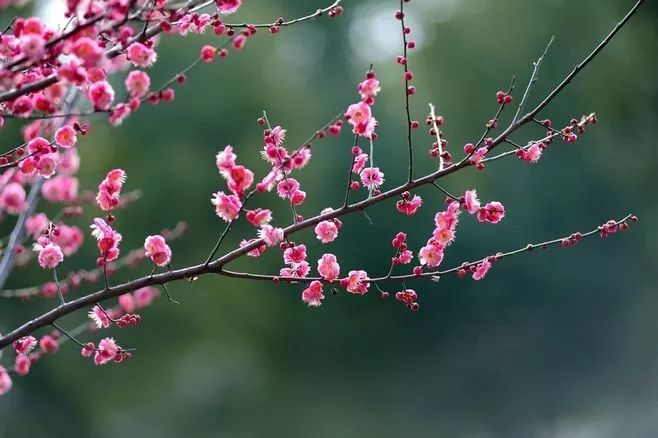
(551, 344)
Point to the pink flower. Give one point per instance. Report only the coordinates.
(69, 238)
(360, 117)
(299, 270)
(448, 219)
(157, 249)
(101, 95)
(328, 267)
(270, 235)
(356, 282)
(144, 296)
(481, 270)
(88, 349)
(259, 217)
(12, 198)
(109, 190)
(22, 365)
(48, 344)
(409, 207)
(33, 46)
(312, 295)
(297, 197)
(287, 187)
(227, 207)
(137, 83)
(239, 179)
(108, 241)
(140, 55)
(295, 254)
(532, 154)
(326, 231)
(25, 344)
(359, 163)
(208, 53)
(5, 381)
(479, 155)
(106, 352)
(301, 158)
(226, 160)
(87, 50)
(493, 212)
(371, 177)
(471, 202)
(256, 252)
(99, 317)
(239, 42)
(47, 165)
(431, 255)
(227, 6)
(127, 303)
(369, 88)
(62, 188)
(66, 137)
(49, 255)
(23, 106)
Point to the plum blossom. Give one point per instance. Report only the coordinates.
(22, 364)
(360, 117)
(226, 160)
(359, 162)
(371, 177)
(69, 238)
(431, 255)
(49, 254)
(227, 207)
(66, 137)
(48, 344)
(101, 95)
(479, 155)
(326, 231)
(270, 234)
(409, 207)
(299, 270)
(108, 241)
(493, 212)
(5, 381)
(287, 187)
(33, 46)
(109, 190)
(107, 351)
(369, 88)
(61, 188)
(157, 250)
(259, 217)
(312, 295)
(12, 198)
(481, 270)
(532, 154)
(99, 317)
(87, 50)
(471, 202)
(256, 252)
(137, 83)
(227, 6)
(294, 254)
(141, 55)
(25, 344)
(356, 282)
(328, 267)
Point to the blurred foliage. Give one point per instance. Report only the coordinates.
(558, 343)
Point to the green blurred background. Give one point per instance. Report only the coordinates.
(551, 344)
